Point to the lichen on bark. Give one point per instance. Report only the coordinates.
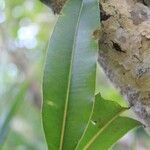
(124, 40)
(125, 51)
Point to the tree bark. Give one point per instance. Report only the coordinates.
(125, 51)
(124, 41)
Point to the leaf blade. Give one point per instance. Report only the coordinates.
(70, 75)
(99, 134)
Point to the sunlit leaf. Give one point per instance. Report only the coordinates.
(106, 126)
(69, 76)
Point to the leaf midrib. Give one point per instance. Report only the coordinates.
(69, 81)
(102, 129)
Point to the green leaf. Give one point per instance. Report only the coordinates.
(69, 75)
(7, 116)
(106, 126)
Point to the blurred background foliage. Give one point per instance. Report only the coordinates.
(25, 27)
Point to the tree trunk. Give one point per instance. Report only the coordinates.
(125, 51)
(124, 54)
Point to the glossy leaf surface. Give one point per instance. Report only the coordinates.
(69, 75)
(106, 126)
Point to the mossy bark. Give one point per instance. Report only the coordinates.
(124, 41)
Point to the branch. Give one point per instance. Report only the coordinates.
(124, 55)
(55, 5)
